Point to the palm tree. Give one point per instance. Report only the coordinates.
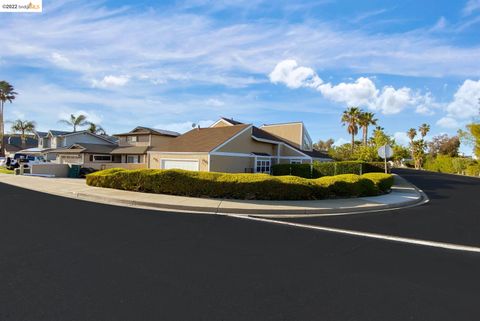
(75, 121)
(351, 118)
(7, 93)
(411, 133)
(366, 119)
(96, 129)
(23, 127)
(424, 129)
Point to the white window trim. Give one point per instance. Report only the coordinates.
(262, 159)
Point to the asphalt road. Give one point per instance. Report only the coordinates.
(452, 215)
(63, 259)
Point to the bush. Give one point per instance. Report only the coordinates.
(300, 170)
(447, 164)
(473, 169)
(383, 182)
(347, 185)
(237, 186)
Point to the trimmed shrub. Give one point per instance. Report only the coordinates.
(300, 170)
(383, 182)
(237, 186)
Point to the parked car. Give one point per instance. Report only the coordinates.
(3, 161)
(24, 160)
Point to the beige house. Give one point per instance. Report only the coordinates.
(231, 146)
(133, 146)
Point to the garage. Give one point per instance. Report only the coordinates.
(190, 165)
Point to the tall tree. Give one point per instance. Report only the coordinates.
(23, 127)
(366, 119)
(75, 121)
(96, 129)
(411, 133)
(7, 93)
(351, 118)
(471, 137)
(324, 145)
(424, 129)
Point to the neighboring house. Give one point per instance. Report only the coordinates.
(13, 144)
(133, 146)
(231, 146)
(81, 148)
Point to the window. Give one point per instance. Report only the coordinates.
(132, 139)
(263, 166)
(102, 158)
(135, 159)
(295, 161)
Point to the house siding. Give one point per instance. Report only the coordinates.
(245, 144)
(290, 132)
(228, 164)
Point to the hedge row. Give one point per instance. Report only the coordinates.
(320, 169)
(240, 186)
(452, 165)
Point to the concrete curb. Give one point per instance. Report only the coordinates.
(249, 209)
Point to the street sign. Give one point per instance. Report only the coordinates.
(385, 151)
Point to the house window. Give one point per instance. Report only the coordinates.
(295, 161)
(263, 166)
(135, 159)
(132, 139)
(102, 158)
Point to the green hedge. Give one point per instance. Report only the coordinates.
(448, 164)
(473, 169)
(237, 186)
(383, 182)
(320, 169)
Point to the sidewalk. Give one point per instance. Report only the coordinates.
(403, 195)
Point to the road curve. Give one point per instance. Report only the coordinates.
(64, 259)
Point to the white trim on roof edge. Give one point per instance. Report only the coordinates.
(220, 120)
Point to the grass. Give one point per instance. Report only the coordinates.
(3, 170)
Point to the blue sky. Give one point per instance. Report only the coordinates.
(170, 63)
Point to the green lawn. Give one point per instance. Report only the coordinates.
(3, 170)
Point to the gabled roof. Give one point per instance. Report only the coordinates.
(41, 134)
(201, 139)
(58, 132)
(231, 121)
(147, 130)
(85, 148)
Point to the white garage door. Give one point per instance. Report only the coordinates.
(190, 165)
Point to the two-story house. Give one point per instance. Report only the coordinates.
(133, 146)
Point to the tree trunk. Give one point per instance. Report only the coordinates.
(365, 135)
(353, 141)
(2, 132)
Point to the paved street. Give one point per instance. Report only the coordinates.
(64, 259)
(452, 215)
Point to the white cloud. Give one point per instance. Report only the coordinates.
(401, 138)
(111, 81)
(293, 76)
(362, 92)
(471, 6)
(426, 104)
(448, 122)
(183, 127)
(214, 102)
(466, 102)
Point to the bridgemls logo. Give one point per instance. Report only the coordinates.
(20, 5)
